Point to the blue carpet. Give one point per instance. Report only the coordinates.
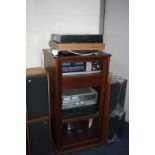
(118, 148)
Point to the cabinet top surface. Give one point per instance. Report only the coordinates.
(100, 55)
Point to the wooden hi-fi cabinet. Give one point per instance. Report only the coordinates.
(91, 128)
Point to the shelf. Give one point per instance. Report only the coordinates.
(81, 138)
(81, 146)
(80, 132)
(80, 118)
(81, 81)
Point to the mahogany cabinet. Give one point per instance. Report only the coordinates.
(88, 130)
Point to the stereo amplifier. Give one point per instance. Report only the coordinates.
(79, 101)
(71, 68)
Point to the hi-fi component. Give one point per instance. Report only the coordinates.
(78, 38)
(79, 101)
(71, 68)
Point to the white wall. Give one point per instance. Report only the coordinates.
(45, 17)
(116, 37)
